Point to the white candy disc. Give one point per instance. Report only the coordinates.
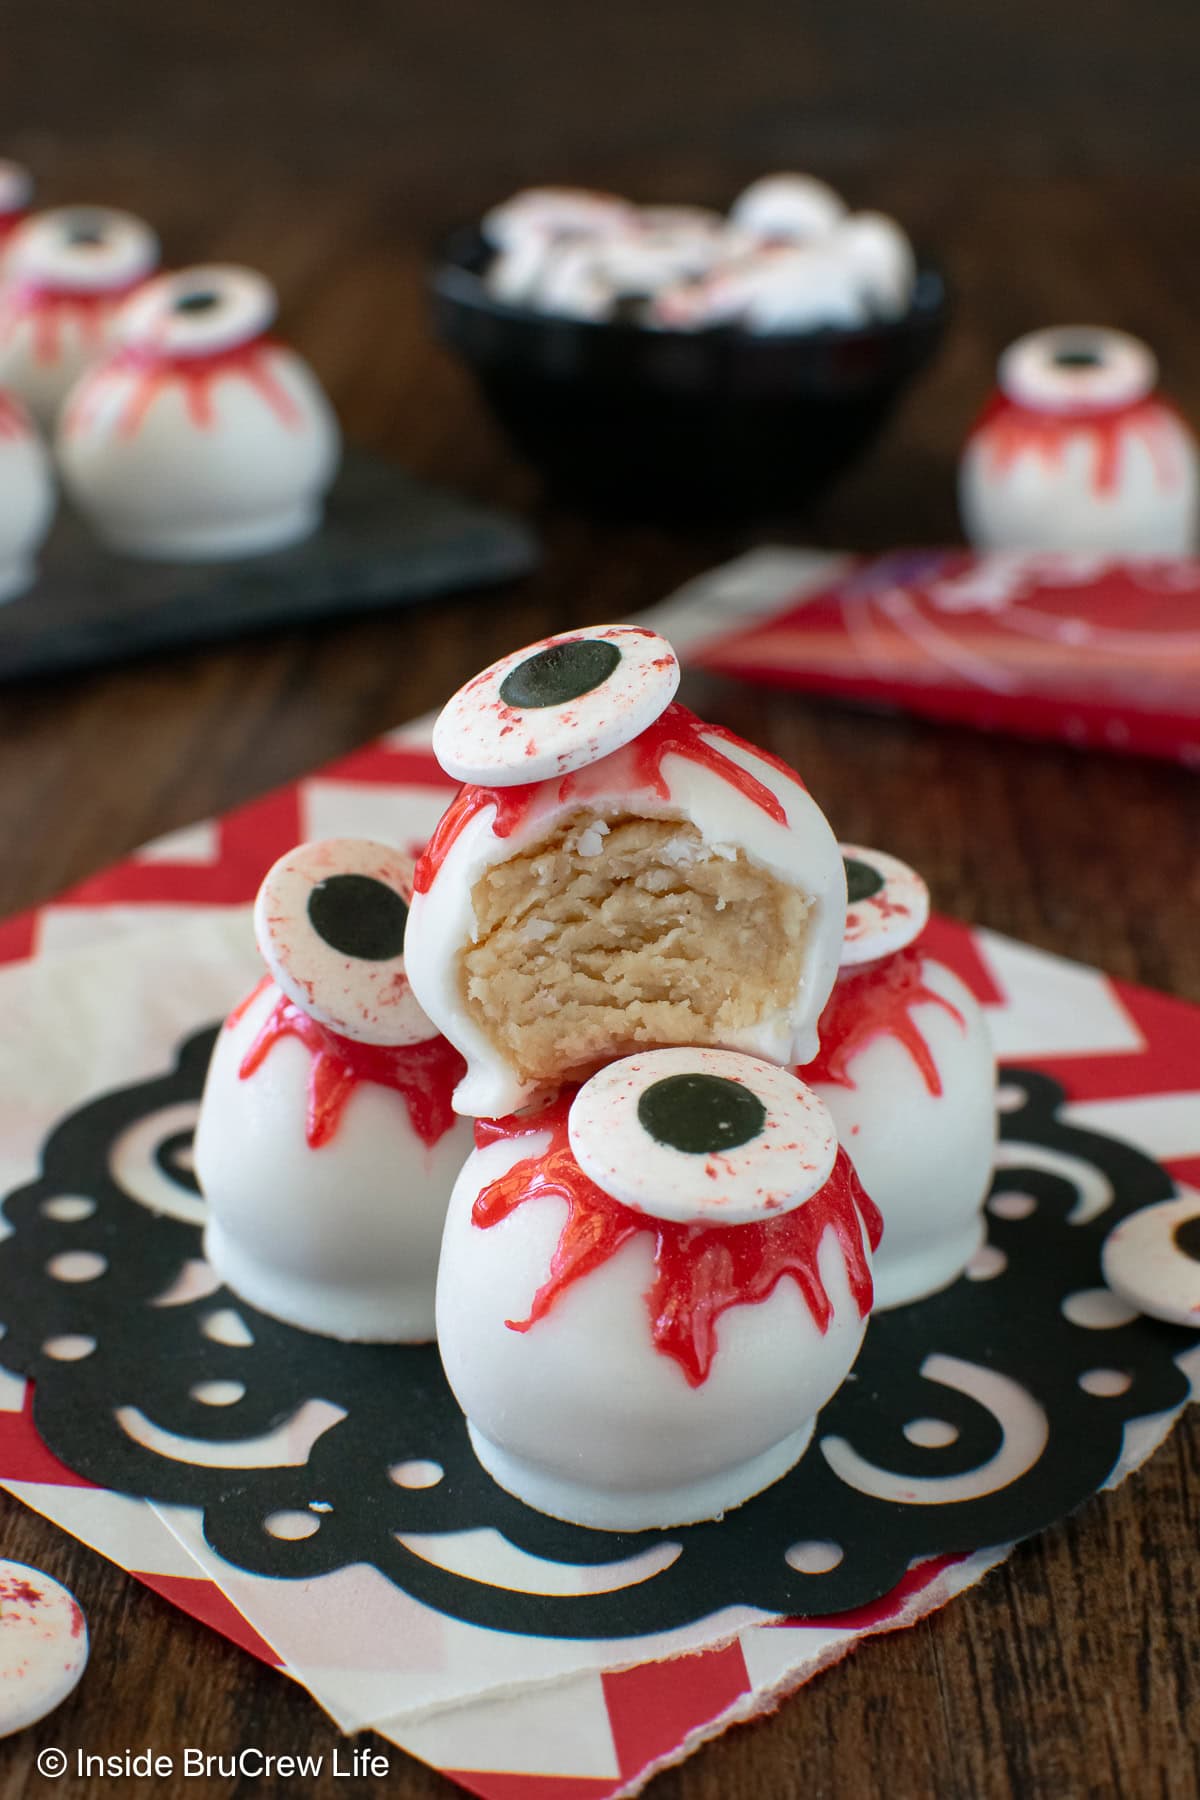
(1077, 368)
(43, 1645)
(881, 259)
(791, 208)
(197, 311)
(16, 187)
(556, 705)
(702, 1136)
(556, 212)
(85, 249)
(1152, 1260)
(330, 920)
(887, 905)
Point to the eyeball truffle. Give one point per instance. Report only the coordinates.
(327, 1145)
(907, 1070)
(649, 1288)
(65, 274)
(26, 496)
(199, 436)
(1077, 451)
(658, 882)
(790, 209)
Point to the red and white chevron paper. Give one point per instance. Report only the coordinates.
(570, 1722)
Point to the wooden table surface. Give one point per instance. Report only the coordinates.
(1051, 162)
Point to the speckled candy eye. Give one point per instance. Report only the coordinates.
(1152, 1260)
(702, 1136)
(1077, 368)
(198, 311)
(87, 249)
(887, 905)
(330, 919)
(556, 706)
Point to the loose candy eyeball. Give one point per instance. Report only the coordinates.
(788, 208)
(702, 1136)
(556, 705)
(881, 261)
(43, 1645)
(887, 905)
(330, 919)
(1152, 1260)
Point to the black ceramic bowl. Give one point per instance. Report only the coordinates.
(666, 422)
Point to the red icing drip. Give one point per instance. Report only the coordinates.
(701, 1271)
(676, 732)
(50, 309)
(867, 1002)
(196, 375)
(424, 1075)
(20, 1591)
(12, 420)
(1012, 431)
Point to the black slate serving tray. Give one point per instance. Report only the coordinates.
(386, 540)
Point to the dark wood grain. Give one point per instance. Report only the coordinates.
(1049, 156)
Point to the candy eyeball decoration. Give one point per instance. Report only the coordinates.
(65, 274)
(1152, 1260)
(330, 919)
(26, 496)
(652, 1349)
(327, 1144)
(546, 213)
(199, 436)
(787, 209)
(907, 1070)
(556, 705)
(662, 883)
(880, 259)
(772, 289)
(1077, 450)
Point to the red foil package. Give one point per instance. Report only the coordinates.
(1099, 652)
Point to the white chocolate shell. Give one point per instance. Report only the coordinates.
(737, 799)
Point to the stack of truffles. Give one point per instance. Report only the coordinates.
(723, 1104)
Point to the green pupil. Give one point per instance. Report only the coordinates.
(862, 880)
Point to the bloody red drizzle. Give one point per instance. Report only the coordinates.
(424, 1075)
(1013, 430)
(50, 308)
(154, 372)
(12, 419)
(700, 1270)
(868, 1002)
(676, 732)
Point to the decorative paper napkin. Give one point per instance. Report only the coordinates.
(101, 987)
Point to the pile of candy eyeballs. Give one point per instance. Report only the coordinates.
(789, 256)
(179, 427)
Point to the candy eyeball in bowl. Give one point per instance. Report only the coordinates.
(1078, 449)
(676, 360)
(649, 1288)
(27, 497)
(327, 1144)
(199, 435)
(65, 274)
